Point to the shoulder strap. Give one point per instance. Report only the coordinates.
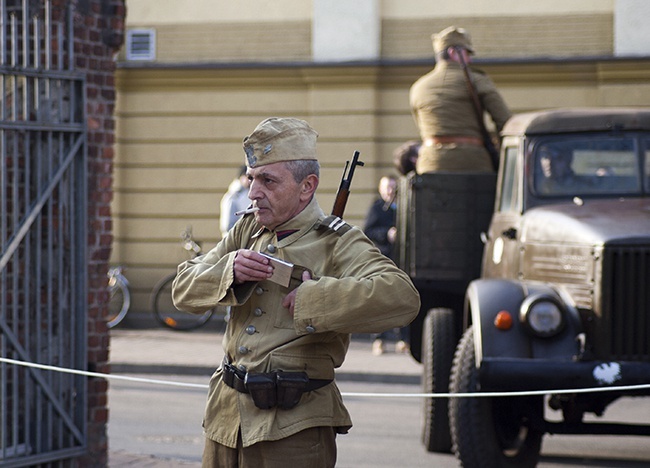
(478, 109)
(335, 224)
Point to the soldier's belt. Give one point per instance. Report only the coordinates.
(448, 140)
(271, 389)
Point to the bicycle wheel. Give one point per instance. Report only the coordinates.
(120, 300)
(168, 315)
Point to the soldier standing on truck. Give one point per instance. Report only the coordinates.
(444, 109)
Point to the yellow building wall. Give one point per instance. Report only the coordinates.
(540, 35)
(179, 137)
(222, 67)
(179, 146)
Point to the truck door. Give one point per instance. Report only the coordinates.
(501, 254)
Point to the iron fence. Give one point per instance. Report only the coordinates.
(42, 234)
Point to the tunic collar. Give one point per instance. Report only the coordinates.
(299, 224)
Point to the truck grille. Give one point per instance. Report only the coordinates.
(625, 325)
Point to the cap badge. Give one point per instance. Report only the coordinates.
(250, 156)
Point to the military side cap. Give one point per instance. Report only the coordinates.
(279, 139)
(452, 36)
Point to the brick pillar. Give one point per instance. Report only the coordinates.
(99, 33)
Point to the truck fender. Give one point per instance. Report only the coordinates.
(485, 298)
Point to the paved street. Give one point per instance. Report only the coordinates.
(158, 426)
(192, 357)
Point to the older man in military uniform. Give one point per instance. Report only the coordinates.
(444, 111)
(273, 402)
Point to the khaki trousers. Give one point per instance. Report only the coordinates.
(313, 448)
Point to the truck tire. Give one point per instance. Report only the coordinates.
(438, 344)
(490, 432)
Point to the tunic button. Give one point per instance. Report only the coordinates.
(258, 312)
(310, 329)
(272, 248)
(243, 350)
(250, 329)
(259, 291)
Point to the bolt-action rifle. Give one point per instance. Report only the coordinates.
(478, 108)
(344, 188)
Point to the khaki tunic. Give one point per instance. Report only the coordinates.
(356, 289)
(442, 106)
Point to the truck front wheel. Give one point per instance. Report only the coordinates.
(490, 432)
(438, 344)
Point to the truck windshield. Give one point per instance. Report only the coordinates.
(587, 166)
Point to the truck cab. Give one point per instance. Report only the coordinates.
(561, 304)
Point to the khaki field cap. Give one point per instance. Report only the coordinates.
(452, 36)
(279, 139)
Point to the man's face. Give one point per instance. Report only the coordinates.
(277, 195)
(555, 165)
(387, 189)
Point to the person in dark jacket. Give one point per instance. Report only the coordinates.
(380, 229)
(380, 221)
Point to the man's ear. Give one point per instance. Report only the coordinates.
(308, 186)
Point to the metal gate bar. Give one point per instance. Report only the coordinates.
(43, 216)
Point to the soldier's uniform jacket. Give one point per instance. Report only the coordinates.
(442, 106)
(356, 289)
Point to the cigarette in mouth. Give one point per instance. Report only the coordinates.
(248, 211)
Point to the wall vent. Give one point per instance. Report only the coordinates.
(141, 44)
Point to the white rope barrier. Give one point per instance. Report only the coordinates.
(101, 375)
(345, 394)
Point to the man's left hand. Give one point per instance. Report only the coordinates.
(289, 300)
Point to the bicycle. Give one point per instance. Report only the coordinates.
(161, 296)
(120, 296)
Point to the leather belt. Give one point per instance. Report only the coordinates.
(236, 379)
(447, 140)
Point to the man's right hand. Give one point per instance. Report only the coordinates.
(251, 266)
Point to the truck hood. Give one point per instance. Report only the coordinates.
(592, 222)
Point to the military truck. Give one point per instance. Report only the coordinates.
(560, 302)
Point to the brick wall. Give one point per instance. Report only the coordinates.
(99, 33)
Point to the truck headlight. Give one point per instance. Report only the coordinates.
(542, 315)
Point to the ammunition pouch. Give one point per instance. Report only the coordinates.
(290, 387)
(262, 389)
(271, 389)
